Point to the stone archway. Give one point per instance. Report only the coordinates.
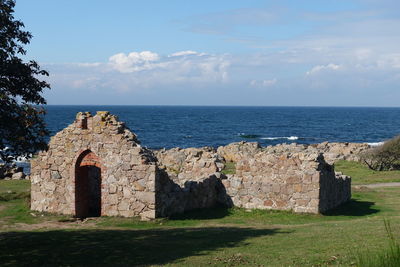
(88, 171)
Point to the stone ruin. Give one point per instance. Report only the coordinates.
(94, 167)
(97, 167)
(283, 177)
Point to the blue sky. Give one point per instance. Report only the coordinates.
(303, 53)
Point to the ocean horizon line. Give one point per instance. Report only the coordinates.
(233, 106)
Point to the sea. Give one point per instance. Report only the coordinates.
(196, 126)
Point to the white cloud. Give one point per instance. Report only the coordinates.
(134, 61)
(368, 75)
(184, 53)
(389, 61)
(263, 83)
(137, 71)
(320, 68)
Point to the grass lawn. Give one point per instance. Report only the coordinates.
(361, 174)
(216, 237)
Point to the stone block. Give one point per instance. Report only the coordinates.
(50, 186)
(138, 206)
(268, 203)
(18, 176)
(55, 175)
(138, 187)
(298, 188)
(123, 205)
(146, 197)
(276, 188)
(112, 199)
(112, 189)
(126, 166)
(127, 192)
(302, 202)
(148, 215)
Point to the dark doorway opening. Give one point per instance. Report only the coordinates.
(87, 187)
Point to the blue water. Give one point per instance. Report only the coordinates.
(193, 126)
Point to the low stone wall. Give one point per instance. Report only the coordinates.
(285, 181)
(283, 177)
(190, 163)
(341, 151)
(187, 180)
(235, 152)
(335, 189)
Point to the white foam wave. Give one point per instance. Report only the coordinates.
(375, 143)
(21, 159)
(281, 137)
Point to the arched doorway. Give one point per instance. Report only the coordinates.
(87, 185)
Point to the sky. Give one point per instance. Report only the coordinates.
(247, 53)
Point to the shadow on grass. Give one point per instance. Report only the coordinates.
(118, 247)
(217, 212)
(353, 208)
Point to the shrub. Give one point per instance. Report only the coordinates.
(384, 157)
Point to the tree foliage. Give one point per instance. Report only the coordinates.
(384, 157)
(22, 128)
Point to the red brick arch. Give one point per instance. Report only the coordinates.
(88, 184)
(88, 158)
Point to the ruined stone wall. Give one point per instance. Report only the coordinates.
(283, 177)
(335, 189)
(286, 177)
(332, 151)
(128, 171)
(341, 151)
(275, 181)
(235, 152)
(188, 179)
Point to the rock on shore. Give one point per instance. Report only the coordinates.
(11, 172)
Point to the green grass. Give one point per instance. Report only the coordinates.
(230, 168)
(13, 189)
(14, 185)
(216, 237)
(361, 174)
(365, 203)
(387, 257)
(15, 203)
